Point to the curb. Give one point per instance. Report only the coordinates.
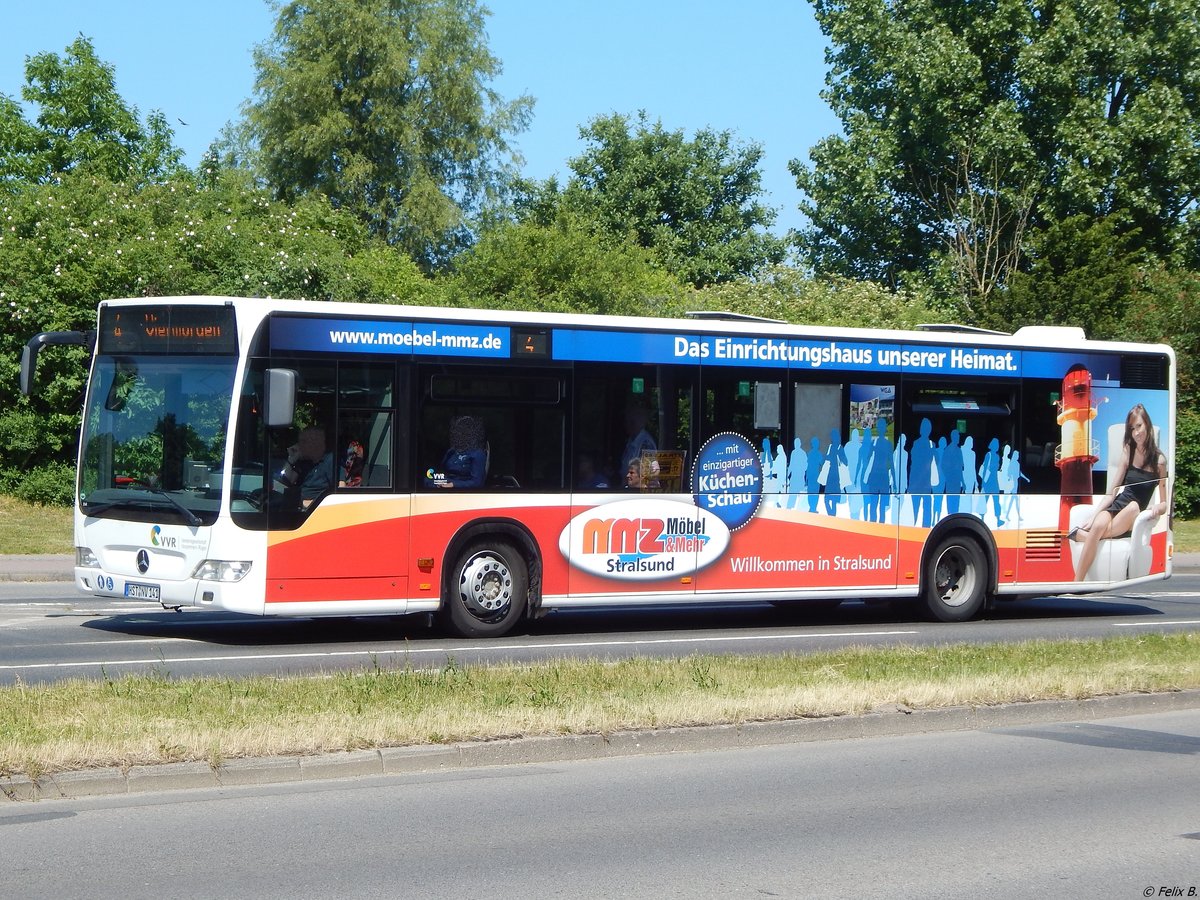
(565, 748)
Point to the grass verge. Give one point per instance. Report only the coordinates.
(26, 528)
(152, 719)
(1187, 536)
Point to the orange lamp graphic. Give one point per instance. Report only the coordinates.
(1078, 452)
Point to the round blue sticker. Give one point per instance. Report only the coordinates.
(727, 479)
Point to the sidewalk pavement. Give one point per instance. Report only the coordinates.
(60, 567)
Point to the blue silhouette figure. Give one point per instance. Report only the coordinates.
(797, 473)
(833, 480)
(970, 475)
(900, 476)
(877, 474)
(854, 448)
(920, 475)
(938, 479)
(989, 477)
(952, 472)
(779, 475)
(1018, 476)
(815, 459)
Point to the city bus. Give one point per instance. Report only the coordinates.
(309, 458)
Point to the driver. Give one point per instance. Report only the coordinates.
(309, 466)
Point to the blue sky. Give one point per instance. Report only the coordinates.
(754, 68)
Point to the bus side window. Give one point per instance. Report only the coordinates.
(365, 402)
(369, 437)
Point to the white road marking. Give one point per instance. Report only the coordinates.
(447, 649)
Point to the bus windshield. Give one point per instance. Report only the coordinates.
(154, 437)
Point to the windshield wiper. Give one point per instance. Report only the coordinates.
(188, 516)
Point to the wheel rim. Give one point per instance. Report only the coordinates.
(954, 577)
(485, 585)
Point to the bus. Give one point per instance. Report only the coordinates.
(310, 458)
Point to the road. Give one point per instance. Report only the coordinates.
(50, 632)
(1103, 809)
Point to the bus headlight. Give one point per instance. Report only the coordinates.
(86, 559)
(222, 570)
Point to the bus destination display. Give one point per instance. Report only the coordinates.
(167, 329)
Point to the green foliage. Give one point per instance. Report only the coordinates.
(963, 123)
(792, 296)
(1166, 308)
(82, 123)
(561, 267)
(48, 485)
(67, 245)
(1081, 272)
(694, 203)
(1187, 463)
(382, 106)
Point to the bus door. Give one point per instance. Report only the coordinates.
(338, 506)
(634, 526)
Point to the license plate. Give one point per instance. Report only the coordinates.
(136, 591)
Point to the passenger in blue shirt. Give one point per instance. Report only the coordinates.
(464, 465)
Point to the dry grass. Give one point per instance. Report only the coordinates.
(25, 528)
(1187, 535)
(140, 720)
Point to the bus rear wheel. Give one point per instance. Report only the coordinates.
(954, 585)
(488, 590)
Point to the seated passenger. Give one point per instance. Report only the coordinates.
(352, 466)
(586, 476)
(464, 465)
(642, 475)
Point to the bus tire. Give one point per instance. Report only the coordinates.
(954, 582)
(488, 590)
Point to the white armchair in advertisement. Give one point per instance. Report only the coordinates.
(1123, 557)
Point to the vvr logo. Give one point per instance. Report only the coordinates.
(158, 539)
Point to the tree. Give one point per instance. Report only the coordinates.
(82, 123)
(383, 107)
(1080, 272)
(562, 266)
(1079, 107)
(694, 203)
(69, 244)
(790, 295)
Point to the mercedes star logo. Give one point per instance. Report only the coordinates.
(143, 561)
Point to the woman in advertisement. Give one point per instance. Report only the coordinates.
(1143, 468)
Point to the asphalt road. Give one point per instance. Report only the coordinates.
(1097, 809)
(48, 631)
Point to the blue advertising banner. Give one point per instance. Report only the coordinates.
(831, 355)
(391, 338)
(571, 344)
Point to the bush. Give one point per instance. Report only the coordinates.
(1187, 464)
(50, 485)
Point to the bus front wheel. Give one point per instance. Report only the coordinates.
(489, 588)
(954, 585)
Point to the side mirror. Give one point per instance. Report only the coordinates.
(30, 352)
(281, 397)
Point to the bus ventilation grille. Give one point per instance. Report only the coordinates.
(1145, 372)
(1043, 546)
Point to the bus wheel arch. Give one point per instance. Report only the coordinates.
(492, 579)
(958, 570)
